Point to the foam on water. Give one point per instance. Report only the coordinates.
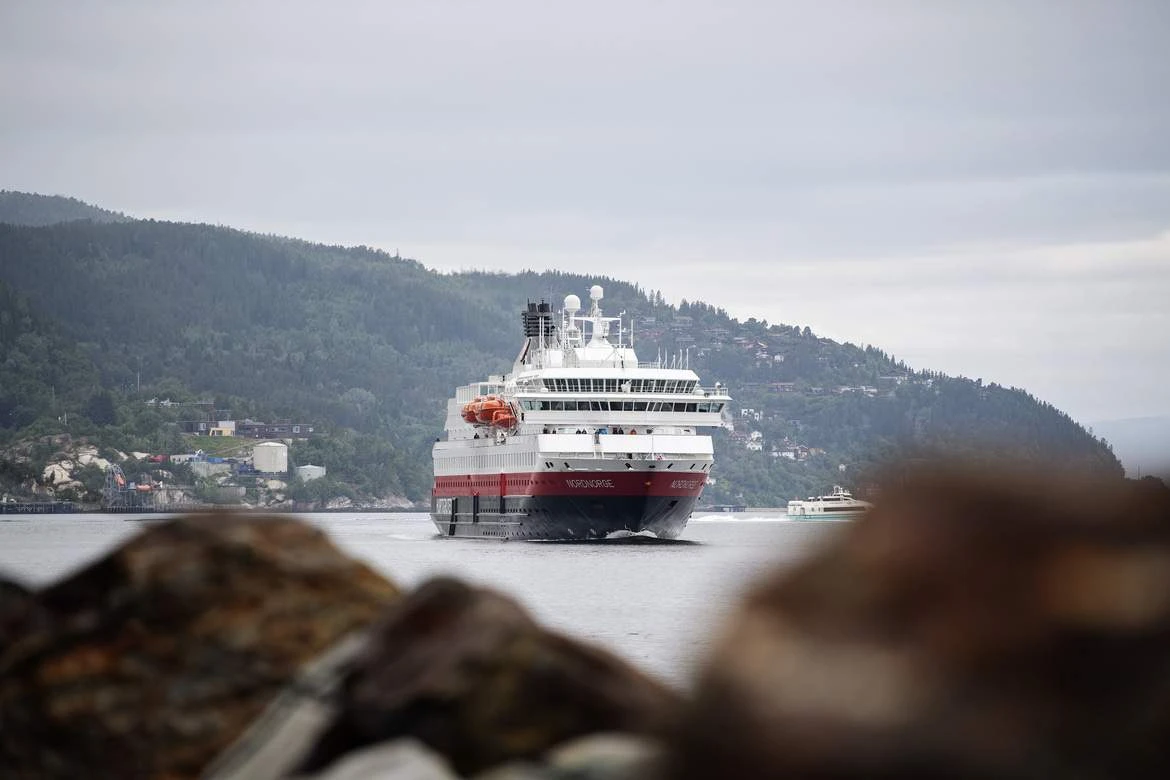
(624, 534)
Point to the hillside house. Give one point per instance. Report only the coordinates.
(281, 429)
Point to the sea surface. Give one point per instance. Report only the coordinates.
(658, 605)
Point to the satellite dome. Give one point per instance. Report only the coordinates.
(572, 303)
(596, 293)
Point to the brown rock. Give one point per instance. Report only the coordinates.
(159, 655)
(467, 671)
(20, 614)
(966, 628)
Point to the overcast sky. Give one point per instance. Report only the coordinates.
(981, 188)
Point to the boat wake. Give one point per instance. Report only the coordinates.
(619, 538)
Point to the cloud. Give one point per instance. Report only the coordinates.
(976, 186)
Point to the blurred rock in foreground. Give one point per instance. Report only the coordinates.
(152, 660)
(468, 672)
(966, 628)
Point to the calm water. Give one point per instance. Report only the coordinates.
(657, 605)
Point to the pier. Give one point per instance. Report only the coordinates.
(39, 508)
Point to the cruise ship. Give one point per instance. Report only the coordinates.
(581, 441)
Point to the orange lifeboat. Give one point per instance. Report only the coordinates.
(469, 410)
(503, 418)
(487, 409)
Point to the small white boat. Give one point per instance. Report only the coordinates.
(838, 505)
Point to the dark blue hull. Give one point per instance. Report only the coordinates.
(561, 518)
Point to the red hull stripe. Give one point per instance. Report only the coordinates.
(574, 483)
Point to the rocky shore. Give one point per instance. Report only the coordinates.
(968, 627)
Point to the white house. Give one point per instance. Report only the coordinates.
(270, 457)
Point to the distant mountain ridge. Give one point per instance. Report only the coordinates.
(357, 338)
(25, 208)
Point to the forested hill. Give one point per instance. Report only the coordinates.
(354, 338)
(24, 208)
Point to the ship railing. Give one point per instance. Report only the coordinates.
(618, 455)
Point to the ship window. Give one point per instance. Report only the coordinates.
(717, 407)
(660, 386)
(671, 386)
(600, 406)
(704, 407)
(692, 407)
(635, 385)
(627, 406)
(639, 406)
(558, 406)
(611, 385)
